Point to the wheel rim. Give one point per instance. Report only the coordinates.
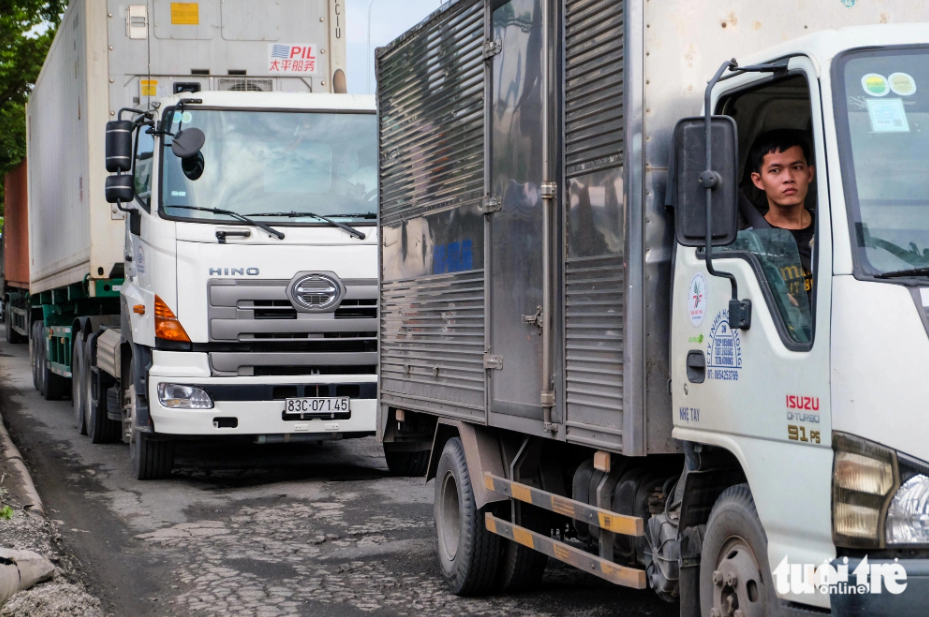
(738, 587)
(449, 517)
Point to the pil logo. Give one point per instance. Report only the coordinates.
(809, 403)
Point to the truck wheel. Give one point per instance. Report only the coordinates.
(12, 336)
(468, 553)
(56, 386)
(100, 428)
(33, 354)
(406, 463)
(77, 374)
(735, 577)
(152, 459)
(521, 568)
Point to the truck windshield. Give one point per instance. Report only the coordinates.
(256, 162)
(883, 124)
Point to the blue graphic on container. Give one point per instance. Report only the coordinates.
(848, 3)
(724, 350)
(453, 257)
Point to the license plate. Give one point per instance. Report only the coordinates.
(321, 406)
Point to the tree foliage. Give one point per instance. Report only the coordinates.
(27, 28)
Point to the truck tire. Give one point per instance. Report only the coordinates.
(33, 353)
(468, 553)
(12, 336)
(100, 428)
(734, 569)
(77, 373)
(152, 459)
(521, 568)
(56, 387)
(406, 463)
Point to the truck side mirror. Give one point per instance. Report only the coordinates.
(691, 181)
(119, 189)
(119, 145)
(187, 143)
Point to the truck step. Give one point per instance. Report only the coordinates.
(619, 575)
(592, 515)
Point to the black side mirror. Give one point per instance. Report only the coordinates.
(119, 145)
(119, 189)
(691, 181)
(187, 143)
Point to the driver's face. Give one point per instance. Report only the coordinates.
(785, 177)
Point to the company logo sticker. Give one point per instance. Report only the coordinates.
(849, 4)
(284, 58)
(875, 85)
(902, 84)
(696, 300)
(724, 350)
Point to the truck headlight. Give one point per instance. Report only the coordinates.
(864, 475)
(908, 514)
(178, 396)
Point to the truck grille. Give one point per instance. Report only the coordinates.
(286, 341)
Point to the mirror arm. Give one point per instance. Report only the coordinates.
(740, 311)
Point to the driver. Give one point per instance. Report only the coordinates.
(781, 168)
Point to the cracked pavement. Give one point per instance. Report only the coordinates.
(259, 530)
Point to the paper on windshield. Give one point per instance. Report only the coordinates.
(888, 116)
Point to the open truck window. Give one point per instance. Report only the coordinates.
(777, 104)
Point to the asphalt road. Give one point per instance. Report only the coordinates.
(259, 530)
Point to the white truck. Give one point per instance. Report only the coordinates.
(609, 370)
(226, 291)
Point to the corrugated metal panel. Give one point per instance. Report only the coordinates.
(594, 340)
(431, 113)
(430, 91)
(432, 343)
(594, 85)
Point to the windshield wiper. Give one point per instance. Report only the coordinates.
(242, 217)
(924, 271)
(356, 215)
(351, 230)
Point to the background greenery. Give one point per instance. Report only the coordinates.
(27, 28)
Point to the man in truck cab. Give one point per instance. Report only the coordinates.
(781, 168)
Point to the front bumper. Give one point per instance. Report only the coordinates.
(256, 403)
(912, 602)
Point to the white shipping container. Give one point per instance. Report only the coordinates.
(110, 54)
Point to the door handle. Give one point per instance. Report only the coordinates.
(696, 366)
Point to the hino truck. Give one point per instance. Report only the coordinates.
(222, 282)
(607, 366)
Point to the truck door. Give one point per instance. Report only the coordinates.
(764, 392)
(516, 230)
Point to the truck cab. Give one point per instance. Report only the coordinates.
(249, 306)
(819, 399)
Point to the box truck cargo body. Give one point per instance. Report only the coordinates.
(589, 384)
(218, 289)
(16, 253)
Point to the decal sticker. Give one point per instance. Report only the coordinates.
(689, 414)
(149, 87)
(799, 433)
(849, 4)
(875, 85)
(284, 58)
(695, 339)
(902, 84)
(185, 13)
(888, 116)
(802, 404)
(724, 350)
(139, 260)
(696, 300)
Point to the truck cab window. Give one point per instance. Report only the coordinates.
(778, 198)
(142, 168)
